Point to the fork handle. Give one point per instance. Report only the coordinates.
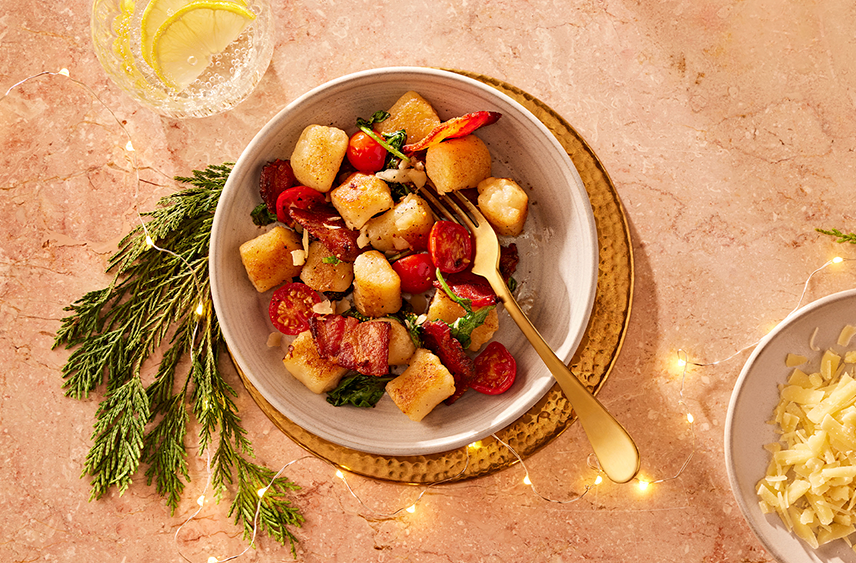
(615, 450)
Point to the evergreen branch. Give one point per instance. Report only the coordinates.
(842, 237)
(160, 276)
(165, 453)
(118, 437)
(275, 514)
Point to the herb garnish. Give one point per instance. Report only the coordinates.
(359, 390)
(262, 216)
(464, 326)
(392, 143)
(162, 299)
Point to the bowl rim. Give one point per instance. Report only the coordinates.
(590, 228)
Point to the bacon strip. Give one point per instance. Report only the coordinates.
(327, 225)
(366, 349)
(328, 332)
(437, 337)
(362, 347)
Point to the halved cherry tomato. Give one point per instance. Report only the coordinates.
(275, 178)
(416, 272)
(291, 307)
(450, 246)
(365, 154)
(298, 196)
(495, 370)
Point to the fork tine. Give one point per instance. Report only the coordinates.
(439, 209)
(472, 212)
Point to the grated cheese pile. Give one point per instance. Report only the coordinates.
(811, 478)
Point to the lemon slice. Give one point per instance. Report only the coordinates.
(184, 43)
(154, 16)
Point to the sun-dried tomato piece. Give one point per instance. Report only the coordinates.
(437, 337)
(468, 285)
(453, 129)
(508, 260)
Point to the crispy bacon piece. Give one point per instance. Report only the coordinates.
(275, 178)
(366, 349)
(325, 224)
(454, 128)
(328, 332)
(362, 347)
(437, 337)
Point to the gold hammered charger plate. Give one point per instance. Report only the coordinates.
(592, 362)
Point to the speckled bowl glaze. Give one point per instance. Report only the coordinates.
(557, 272)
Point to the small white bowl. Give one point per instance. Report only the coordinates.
(557, 272)
(755, 395)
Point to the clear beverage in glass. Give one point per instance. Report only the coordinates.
(229, 78)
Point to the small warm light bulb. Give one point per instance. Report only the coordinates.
(129, 146)
(837, 260)
(200, 308)
(643, 485)
(681, 362)
(63, 71)
(262, 491)
(527, 480)
(598, 480)
(411, 509)
(475, 445)
(201, 500)
(149, 242)
(690, 418)
(213, 559)
(339, 474)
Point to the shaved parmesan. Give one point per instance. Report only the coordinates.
(811, 478)
(846, 334)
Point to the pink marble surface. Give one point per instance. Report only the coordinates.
(727, 127)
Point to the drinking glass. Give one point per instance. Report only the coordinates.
(228, 79)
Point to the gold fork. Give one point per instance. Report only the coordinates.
(615, 450)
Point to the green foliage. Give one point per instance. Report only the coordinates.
(842, 237)
(159, 299)
(359, 390)
(463, 327)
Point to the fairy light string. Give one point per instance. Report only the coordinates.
(643, 484)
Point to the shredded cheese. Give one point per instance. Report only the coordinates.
(811, 478)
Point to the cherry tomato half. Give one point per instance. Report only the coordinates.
(365, 154)
(495, 370)
(276, 177)
(416, 272)
(298, 196)
(450, 246)
(291, 307)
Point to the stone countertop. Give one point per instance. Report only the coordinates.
(727, 128)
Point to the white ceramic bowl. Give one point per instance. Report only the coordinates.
(755, 396)
(557, 272)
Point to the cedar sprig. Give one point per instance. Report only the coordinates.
(160, 277)
(842, 237)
